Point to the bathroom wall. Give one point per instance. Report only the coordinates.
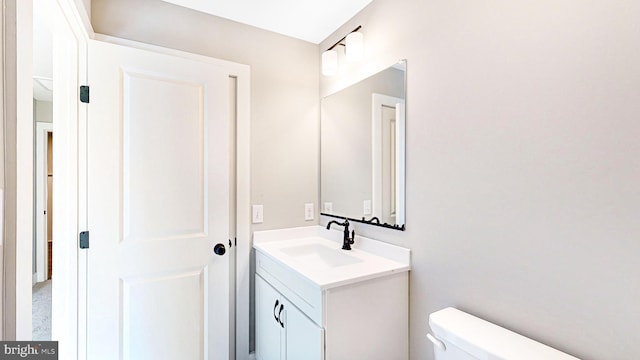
(43, 111)
(523, 164)
(284, 94)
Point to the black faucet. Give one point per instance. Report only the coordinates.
(346, 241)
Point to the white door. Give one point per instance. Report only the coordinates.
(158, 203)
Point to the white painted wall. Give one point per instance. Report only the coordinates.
(523, 164)
(43, 111)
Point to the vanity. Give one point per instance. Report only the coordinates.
(315, 301)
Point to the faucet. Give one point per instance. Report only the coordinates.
(346, 241)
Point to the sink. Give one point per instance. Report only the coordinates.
(305, 264)
(320, 256)
(326, 293)
(315, 254)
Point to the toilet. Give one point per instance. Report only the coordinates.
(461, 336)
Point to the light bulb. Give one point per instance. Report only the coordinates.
(354, 49)
(329, 63)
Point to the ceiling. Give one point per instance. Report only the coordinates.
(42, 52)
(309, 20)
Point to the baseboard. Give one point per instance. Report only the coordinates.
(40, 276)
(34, 278)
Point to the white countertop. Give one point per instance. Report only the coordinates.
(316, 254)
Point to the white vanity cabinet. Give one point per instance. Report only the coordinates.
(314, 301)
(284, 331)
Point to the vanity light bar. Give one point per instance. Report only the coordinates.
(339, 42)
(354, 50)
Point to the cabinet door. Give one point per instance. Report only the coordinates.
(268, 330)
(304, 339)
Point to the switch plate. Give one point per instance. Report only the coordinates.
(328, 207)
(257, 214)
(308, 211)
(366, 207)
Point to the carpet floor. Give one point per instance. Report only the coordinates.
(41, 311)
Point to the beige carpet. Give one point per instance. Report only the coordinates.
(41, 311)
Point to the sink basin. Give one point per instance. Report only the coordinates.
(315, 254)
(320, 256)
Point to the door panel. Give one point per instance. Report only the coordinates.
(152, 300)
(304, 339)
(173, 137)
(158, 202)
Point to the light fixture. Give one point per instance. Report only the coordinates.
(329, 63)
(354, 51)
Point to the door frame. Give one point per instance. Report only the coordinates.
(378, 101)
(42, 151)
(69, 290)
(18, 233)
(19, 324)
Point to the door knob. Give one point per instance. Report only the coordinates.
(219, 249)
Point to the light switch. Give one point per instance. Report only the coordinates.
(257, 214)
(308, 211)
(366, 207)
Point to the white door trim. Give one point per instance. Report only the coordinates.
(18, 325)
(24, 169)
(42, 130)
(69, 122)
(377, 101)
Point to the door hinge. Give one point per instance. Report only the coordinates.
(84, 240)
(84, 94)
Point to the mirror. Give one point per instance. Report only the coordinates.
(362, 150)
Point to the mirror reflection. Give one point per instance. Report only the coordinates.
(363, 150)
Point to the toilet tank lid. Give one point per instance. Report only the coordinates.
(481, 338)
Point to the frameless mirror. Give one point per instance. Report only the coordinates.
(362, 150)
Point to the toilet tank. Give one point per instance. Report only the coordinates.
(460, 336)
